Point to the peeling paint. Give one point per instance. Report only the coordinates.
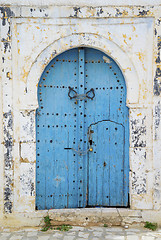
(99, 12)
(76, 11)
(138, 132)
(36, 28)
(157, 78)
(157, 82)
(6, 14)
(27, 179)
(157, 117)
(8, 158)
(144, 13)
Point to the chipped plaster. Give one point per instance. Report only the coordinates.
(30, 38)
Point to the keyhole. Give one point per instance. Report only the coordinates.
(90, 142)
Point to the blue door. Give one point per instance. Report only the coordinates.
(82, 132)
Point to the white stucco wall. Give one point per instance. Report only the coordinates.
(30, 37)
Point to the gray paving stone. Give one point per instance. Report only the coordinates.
(117, 229)
(119, 238)
(29, 238)
(90, 230)
(32, 234)
(133, 230)
(132, 237)
(71, 233)
(75, 228)
(83, 235)
(148, 238)
(69, 238)
(5, 234)
(54, 238)
(16, 237)
(81, 238)
(58, 235)
(95, 238)
(119, 233)
(98, 229)
(43, 237)
(97, 234)
(115, 238)
(131, 233)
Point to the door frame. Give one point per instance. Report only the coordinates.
(73, 41)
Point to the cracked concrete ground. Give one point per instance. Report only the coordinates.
(80, 233)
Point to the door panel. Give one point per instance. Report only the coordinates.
(56, 130)
(105, 164)
(109, 103)
(68, 174)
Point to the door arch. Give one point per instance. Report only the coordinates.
(82, 132)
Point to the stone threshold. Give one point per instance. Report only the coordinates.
(95, 216)
(82, 217)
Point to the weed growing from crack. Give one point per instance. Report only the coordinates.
(47, 224)
(152, 226)
(64, 228)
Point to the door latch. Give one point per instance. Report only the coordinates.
(74, 95)
(90, 131)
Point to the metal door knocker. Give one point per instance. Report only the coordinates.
(73, 94)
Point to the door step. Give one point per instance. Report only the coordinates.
(95, 216)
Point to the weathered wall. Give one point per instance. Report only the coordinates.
(30, 37)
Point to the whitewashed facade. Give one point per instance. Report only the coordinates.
(32, 33)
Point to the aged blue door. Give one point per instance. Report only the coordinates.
(82, 132)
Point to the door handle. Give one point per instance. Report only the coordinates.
(73, 94)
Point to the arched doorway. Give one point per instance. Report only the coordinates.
(82, 132)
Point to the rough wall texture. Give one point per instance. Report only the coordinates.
(6, 81)
(30, 37)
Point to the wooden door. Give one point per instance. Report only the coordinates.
(81, 93)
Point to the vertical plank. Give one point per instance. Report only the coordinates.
(106, 166)
(80, 126)
(40, 138)
(99, 163)
(48, 149)
(116, 164)
(72, 155)
(92, 174)
(112, 166)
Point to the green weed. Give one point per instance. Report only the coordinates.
(47, 224)
(64, 228)
(152, 226)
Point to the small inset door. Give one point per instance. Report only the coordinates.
(106, 165)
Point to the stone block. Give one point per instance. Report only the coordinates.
(140, 165)
(28, 152)
(27, 126)
(27, 179)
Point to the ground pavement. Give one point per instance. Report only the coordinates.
(80, 233)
